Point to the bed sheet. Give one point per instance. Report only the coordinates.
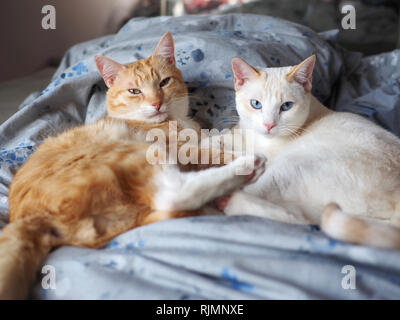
(213, 257)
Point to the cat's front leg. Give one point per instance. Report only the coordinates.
(243, 203)
(191, 190)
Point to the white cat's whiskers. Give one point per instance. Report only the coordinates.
(317, 159)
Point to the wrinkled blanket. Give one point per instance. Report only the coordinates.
(213, 257)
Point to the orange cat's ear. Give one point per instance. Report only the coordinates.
(242, 72)
(108, 69)
(165, 48)
(302, 73)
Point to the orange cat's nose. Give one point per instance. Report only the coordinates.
(157, 105)
(269, 126)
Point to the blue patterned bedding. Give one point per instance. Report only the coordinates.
(213, 257)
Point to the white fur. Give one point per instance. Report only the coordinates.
(375, 233)
(243, 202)
(178, 190)
(269, 89)
(338, 157)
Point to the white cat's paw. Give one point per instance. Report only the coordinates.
(259, 167)
(251, 167)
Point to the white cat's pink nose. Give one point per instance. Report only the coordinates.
(269, 126)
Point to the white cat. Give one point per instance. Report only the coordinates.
(321, 163)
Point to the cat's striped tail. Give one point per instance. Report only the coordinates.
(24, 244)
(341, 226)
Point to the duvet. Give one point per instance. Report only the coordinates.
(212, 257)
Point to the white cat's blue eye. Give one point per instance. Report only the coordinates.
(287, 106)
(255, 104)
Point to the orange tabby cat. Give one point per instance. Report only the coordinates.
(93, 182)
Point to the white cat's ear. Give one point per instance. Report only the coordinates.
(108, 69)
(165, 48)
(302, 73)
(242, 72)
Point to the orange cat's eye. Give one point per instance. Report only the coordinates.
(164, 82)
(134, 91)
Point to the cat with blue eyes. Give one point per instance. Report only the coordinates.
(335, 169)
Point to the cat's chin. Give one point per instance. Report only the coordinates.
(268, 135)
(158, 118)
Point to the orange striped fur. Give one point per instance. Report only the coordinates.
(93, 182)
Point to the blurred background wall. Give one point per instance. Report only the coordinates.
(25, 47)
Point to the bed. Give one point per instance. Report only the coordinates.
(212, 257)
(14, 92)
